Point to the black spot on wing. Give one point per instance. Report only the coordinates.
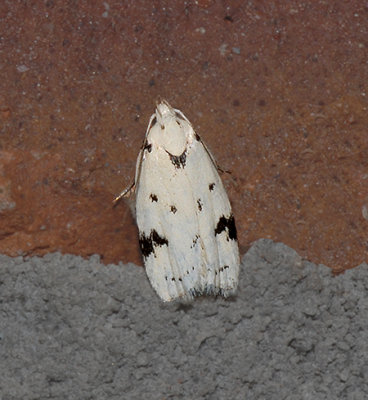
(178, 161)
(154, 121)
(179, 279)
(148, 147)
(211, 186)
(150, 242)
(221, 269)
(195, 241)
(199, 204)
(197, 137)
(153, 197)
(157, 239)
(173, 209)
(226, 224)
(145, 242)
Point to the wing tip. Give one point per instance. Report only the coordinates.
(207, 291)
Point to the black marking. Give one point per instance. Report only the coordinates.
(221, 269)
(226, 224)
(173, 279)
(211, 186)
(146, 245)
(148, 147)
(150, 242)
(157, 239)
(173, 209)
(195, 240)
(153, 198)
(197, 137)
(199, 203)
(178, 161)
(154, 121)
(180, 280)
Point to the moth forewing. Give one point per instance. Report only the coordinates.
(186, 227)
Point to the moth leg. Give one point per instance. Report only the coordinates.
(125, 193)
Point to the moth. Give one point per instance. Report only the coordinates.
(187, 231)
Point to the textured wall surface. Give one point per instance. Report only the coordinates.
(278, 91)
(77, 329)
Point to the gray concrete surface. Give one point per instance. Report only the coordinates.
(75, 329)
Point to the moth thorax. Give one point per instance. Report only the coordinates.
(170, 136)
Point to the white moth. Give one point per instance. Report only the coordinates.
(186, 227)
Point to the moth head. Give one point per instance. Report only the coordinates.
(169, 129)
(164, 110)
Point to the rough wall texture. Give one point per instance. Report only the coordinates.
(78, 330)
(278, 90)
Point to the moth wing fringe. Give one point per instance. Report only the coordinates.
(210, 290)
